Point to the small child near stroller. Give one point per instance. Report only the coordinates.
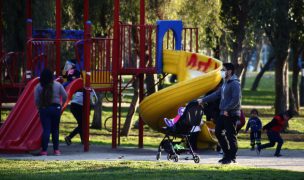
(255, 125)
(190, 118)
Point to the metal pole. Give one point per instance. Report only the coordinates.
(116, 53)
(142, 65)
(29, 28)
(58, 36)
(85, 11)
(302, 86)
(1, 28)
(29, 9)
(86, 105)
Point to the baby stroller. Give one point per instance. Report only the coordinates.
(191, 117)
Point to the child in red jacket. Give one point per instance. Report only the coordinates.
(273, 132)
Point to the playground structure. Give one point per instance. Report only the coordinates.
(103, 62)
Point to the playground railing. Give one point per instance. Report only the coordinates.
(101, 64)
(12, 76)
(130, 49)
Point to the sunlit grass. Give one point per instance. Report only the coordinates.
(18, 169)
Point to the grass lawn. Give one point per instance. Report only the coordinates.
(17, 169)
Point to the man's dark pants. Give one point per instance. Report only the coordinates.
(225, 131)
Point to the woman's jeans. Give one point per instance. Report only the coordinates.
(50, 118)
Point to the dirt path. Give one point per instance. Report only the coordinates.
(291, 159)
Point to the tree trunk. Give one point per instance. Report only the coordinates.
(242, 16)
(295, 104)
(133, 106)
(150, 84)
(292, 102)
(247, 56)
(280, 41)
(256, 82)
(280, 87)
(97, 118)
(258, 58)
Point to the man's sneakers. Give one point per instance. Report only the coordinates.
(278, 155)
(68, 140)
(227, 161)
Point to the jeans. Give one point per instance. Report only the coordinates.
(50, 119)
(273, 138)
(225, 131)
(76, 110)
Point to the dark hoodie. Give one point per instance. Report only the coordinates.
(230, 95)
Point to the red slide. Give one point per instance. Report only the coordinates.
(22, 131)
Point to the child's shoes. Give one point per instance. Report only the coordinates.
(43, 153)
(168, 122)
(57, 153)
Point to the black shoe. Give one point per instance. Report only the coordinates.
(278, 155)
(223, 159)
(252, 148)
(258, 150)
(226, 161)
(233, 161)
(68, 140)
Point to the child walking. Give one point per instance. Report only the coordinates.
(255, 125)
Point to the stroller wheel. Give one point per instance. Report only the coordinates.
(175, 158)
(158, 155)
(196, 159)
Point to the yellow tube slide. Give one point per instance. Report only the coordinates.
(197, 74)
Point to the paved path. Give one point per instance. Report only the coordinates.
(292, 159)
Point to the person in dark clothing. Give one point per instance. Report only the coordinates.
(255, 125)
(274, 128)
(211, 109)
(230, 98)
(76, 109)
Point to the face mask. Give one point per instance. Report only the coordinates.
(223, 74)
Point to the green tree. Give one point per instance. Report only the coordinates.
(234, 15)
(296, 15)
(272, 16)
(14, 25)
